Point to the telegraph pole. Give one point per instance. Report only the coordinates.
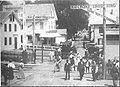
(34, 38)
(104, 39)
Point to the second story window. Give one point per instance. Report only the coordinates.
(10, 40)
(10, 27)
(5, 27)
(5, 41)
(15, 27)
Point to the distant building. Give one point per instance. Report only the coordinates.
(63, 37)
(45, 23)
(112, 33)
(11, 31)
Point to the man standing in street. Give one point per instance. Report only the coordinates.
(93, 70)
(81, 68)
(114, 73)
(24, 56)
(87, 65)
(67, 69)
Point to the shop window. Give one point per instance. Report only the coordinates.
(112, 39)
(100, 29)
(41, 25)
(29, 39)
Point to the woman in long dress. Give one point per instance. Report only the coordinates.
(20, 71)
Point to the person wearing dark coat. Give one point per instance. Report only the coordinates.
(81, 69)
(67, 68)
(114, 74)
(93, 70)
(24, 56)
(4, 72)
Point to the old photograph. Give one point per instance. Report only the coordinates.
(59, 43)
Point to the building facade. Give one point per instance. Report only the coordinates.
(112, 33)
(11, 31)
(45, 23)
(112, 39)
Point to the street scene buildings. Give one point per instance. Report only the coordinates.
(59, 43)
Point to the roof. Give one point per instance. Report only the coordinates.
(111, 13)
(94, 19)
(5, 14)
(42, 10)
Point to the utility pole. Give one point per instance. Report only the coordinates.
(104, 39)
(34, 38)
(42, 51)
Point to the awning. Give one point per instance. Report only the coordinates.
(49, 35)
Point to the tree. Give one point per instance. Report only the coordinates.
(72, 20)
(4, 3)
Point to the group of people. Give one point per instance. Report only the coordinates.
(113, 69)
(78, 63)
(7, 71)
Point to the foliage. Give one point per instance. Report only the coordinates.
(71, 19)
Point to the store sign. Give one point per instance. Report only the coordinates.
(92, 6)
(112, 30)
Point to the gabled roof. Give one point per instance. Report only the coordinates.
(4, 15)
(95, 19)
(42, 10)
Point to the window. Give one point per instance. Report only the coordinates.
(15, 27)
(101, 30)
(10, 40)
(22, 27)
(10, 27)
(5, 41)
(5, 27)
(21, 38)
(41, 25)
(29, 39)
(11, 18)
(111, 12)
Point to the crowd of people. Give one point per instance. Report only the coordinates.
(77, 63)
(113, 69)
(83, 65)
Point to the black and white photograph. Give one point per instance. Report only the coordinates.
(59, 43)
